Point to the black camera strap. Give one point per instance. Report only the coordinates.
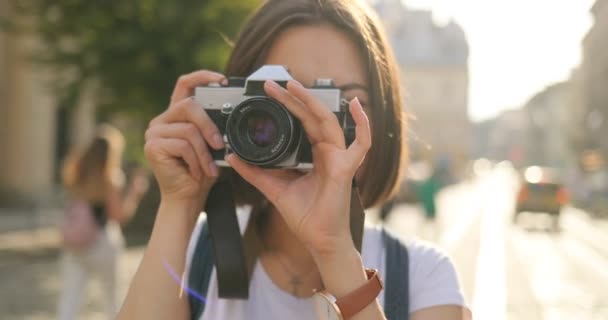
(233, 268)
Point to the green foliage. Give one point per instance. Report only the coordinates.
(134, 49)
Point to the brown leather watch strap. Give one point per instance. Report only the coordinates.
(357, 300)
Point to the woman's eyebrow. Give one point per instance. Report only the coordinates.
(352, 86)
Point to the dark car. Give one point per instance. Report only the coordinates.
(541, 192)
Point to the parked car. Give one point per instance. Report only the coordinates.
(541, 191)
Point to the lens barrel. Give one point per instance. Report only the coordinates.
(262, 132)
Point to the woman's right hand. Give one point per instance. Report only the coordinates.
(178, 141)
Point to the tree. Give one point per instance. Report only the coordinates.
(131, 50)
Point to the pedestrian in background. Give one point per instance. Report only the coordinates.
(427, 193)
(94, 211)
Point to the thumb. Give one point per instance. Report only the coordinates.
(269, 185)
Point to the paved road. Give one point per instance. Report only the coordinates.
(30, 277)
(507, 271)
(517, 271)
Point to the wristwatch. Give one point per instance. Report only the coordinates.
(345, 307)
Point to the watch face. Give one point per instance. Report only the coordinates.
(325, 307)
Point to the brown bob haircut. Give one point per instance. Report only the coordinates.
(385, 160)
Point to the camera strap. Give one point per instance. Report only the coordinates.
(233, 267)
(231, 270)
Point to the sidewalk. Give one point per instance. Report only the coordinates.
(30, 270)
(28, 234)
(28, 219)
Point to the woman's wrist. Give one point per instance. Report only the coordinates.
(342, 271)
(189, 208)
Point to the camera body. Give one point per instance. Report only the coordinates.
(259, 129)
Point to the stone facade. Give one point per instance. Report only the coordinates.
(434, 64)
(503, 137)
(549, 137)
(29, 119)
(594, 80)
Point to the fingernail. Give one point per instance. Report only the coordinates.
(218, 141)
(213, 169)
(224, 82)
(354, 103)
(273, 84)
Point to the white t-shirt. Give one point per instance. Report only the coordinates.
(432, 279)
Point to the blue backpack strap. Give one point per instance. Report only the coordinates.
(396, 286)
(200, 271)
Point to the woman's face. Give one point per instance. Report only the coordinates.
(321, 51)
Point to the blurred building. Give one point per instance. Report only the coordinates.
(551, 127)
(594, 80)
(33, 128)
(434, 63)
(503, 137)
(542, 132)
(577, 122)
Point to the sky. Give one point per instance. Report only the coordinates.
(517, 47)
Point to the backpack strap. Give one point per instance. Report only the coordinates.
(200, 271)
(396, 290)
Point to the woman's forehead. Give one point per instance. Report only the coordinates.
(318, 51)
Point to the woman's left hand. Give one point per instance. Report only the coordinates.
(316, 205)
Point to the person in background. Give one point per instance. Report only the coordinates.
(96, 208)
(427, 193)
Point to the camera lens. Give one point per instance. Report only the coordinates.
(262, 132)
(262, 128)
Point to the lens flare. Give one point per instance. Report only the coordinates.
(182, 283)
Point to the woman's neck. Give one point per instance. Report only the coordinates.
(287, 260)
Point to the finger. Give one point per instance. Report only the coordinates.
(189, 132)
(318, 109)
(313, 127)
(363, 140)
(326, 121)
(187, 110)
(186, 83)
(269, 185)
(293, 105)
(179, 149)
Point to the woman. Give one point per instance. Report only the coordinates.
(93, 176)
(305, 230)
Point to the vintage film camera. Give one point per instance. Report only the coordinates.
(259, 129)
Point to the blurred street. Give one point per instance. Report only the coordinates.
(522, 271)
(508, 271)
(30, 276)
